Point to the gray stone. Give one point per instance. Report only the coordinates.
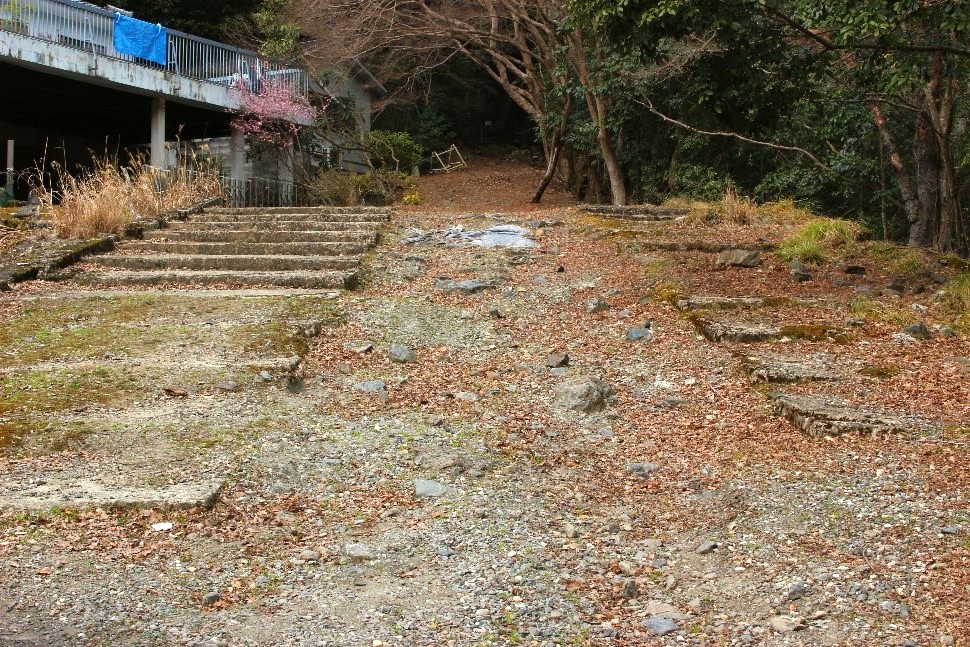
(629, 589)
(364, 347)
(857, 270)
(400, 353)
(211, 598)
(495, 313)
(227, 387)
(428, 489)
(798, 591)
(559, 372)
(786, 624)
(659, 626)
(358, 552)
(58, 493)
(463, 287)
(946, 640)
(309, 555)
(739, 258)
(371, 386)
(557, 360)
(947, 332)
(706, 547)
(596, 305)
(799, 273)
(644, 335)
(583, 394)
(465, 396)
(264, 376)
(950, 530)
(918, 331)
(643, 470)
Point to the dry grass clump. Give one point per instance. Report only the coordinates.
(108, 197)
(737, 209)
(958, 293)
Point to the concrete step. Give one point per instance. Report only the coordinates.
(256, 236)
(247, 249)
(236, 263)
(278, 225)
(296, 279)
(275, 217)
(386, 211)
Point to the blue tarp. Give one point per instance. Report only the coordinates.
(141, 39)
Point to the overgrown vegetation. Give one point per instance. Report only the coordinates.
(104, 200)
(817, 240)
(378, 187)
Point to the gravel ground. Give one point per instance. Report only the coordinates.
(483, 492)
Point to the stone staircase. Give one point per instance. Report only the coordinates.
(291, 247)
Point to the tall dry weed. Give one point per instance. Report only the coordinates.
(104, 199)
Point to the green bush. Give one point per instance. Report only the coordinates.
(382, 188)
(393, 151)
(335, 188)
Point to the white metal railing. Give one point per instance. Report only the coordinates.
(83, 26)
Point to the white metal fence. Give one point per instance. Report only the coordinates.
(89, 28)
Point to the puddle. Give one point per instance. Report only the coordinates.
(498, 236)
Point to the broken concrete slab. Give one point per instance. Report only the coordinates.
(735, 331)
(91, 494)
(774, 368)
(828, 416)
(735, 303)
(643, 212)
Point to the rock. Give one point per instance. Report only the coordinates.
(211, 598)
(358, 552)
(950, 530)
(772, 367)
(559, 372)
(919, 308)
(645, 335)
(570, 531)
(946, 639)
(264, 376)
(557, 360)
(227, 387)
(495, 313)
(464, 287)
(360, 349)
(786, 624)
(797, 591)
(401, 354)
(706, 547)
(739, 258)
(629, 589)
(947, 332)
(465, 396)
(659, 626)
(857, 270)
(799, 273)
(309, 555)
(643, 470)
(917, 331)
(371, 386)
(583, 394)
(428, 489)
(596, 305)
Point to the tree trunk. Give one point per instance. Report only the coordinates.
(903, 180)
(552, 159)
(923, 232)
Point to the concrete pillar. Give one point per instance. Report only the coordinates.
(284, 171)
(158, 134)
(10, 168)
(237, 166)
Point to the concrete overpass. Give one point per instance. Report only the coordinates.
(62, 75)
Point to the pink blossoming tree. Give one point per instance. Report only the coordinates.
(273, 113)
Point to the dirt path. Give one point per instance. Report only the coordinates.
(456, 498)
